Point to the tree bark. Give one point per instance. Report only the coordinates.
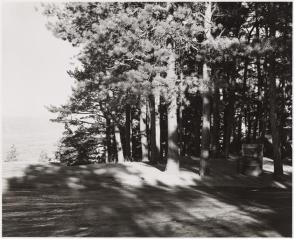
(261, 111)
(205, 140)
(154, 128)
(264, 121)
(180, 117)
(173, 160)
(278, 164)
(143, 132)
(255, 124)
(128, 127)
(157, 125)
(204, 156)
(108, 140)
(246, 107)
(216, 123)
(163, 130)
(120, 155)
(197, 133)
(229, 122)
(148, 129)
(249, 125)
(260, 115)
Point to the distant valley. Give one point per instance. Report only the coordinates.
(31, 137)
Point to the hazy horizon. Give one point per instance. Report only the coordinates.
(30, 136)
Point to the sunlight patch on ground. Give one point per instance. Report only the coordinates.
(74, 183)
(140, 199)
(145, 174)
(138, 174)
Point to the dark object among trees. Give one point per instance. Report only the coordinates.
(251, 161)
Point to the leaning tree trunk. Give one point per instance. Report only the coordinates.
(143, 132)
(205, 140)
(173, 161)
(120, 155)
(278, 165)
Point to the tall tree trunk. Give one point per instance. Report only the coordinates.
(113, 142)
(261, 112)
(163, 129)
(258, 112)
(128, 127)
(278, 164)
(264, 121)
(131, 136)
(239, 131)
(157, 125)
(260, 115)
(154, 133)
(249, 125)
(180, 116)
(173, 160)
(254, 128)
(148, 129)
(143, 132)
(244, 90)
(108, 140)
(120, 155)
(216, 123)
(197, 133)
(205, 140)
(229, 122)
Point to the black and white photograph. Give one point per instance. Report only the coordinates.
(146, 119)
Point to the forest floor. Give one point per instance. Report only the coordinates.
(138, 199)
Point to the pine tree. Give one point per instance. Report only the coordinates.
(11, 154)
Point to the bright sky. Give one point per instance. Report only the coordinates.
(34, 62)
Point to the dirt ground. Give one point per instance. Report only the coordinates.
(137, 199)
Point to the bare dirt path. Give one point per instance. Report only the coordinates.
(98, 201)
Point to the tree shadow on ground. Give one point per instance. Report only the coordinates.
(94, 200)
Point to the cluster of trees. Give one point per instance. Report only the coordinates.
(11, 155)
(159, 81)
